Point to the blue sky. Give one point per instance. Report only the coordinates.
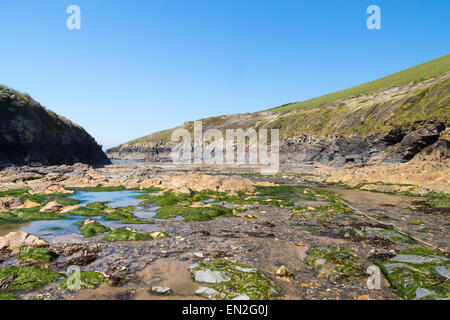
(136, 66)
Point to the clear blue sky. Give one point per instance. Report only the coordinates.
(136, 66)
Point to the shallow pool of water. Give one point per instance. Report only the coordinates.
(114, 199)
(66, 228)
(145, 213)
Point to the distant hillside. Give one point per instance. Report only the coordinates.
(434, 68)
(407, 99)
(30, 133)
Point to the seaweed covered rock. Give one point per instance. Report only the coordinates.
(126, 235)
(90, 228)
(418, 273)
(80, 280)
(30, 133)
(231, 280)
(38, 255)
(192, 213)
(335, 263)
(6, 297)
(97, 209)
(364, 231)
(28, 277)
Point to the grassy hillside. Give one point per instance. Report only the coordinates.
(420, 93)
(369, 117)
(416, 74)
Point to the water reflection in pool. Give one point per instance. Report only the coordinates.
(114, 199)
(66, 229)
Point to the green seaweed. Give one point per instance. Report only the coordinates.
(126, 235)
(240, 279)
(6, 296)
(97, 209)
(88, 280)
(36, 254)
(124, 215)
(339, 264)
(194, 214)
(92, 229)
(65, 201)
(23, 194)
(28, 214)
(29, 277)
(407, 278)
(93, 209)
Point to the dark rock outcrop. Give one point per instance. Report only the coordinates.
(141, 153)
(29, 134)
(399, 145)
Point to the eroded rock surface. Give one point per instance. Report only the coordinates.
(15, 240)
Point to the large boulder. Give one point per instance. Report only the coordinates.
(49, 189)
(51, 207)
(8, 203)
(235, 184)
(13, 241)
(11, 202)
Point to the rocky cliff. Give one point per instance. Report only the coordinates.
(30, 133)
(387, 120)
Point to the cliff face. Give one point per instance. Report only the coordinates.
(397, 146)
(30, 134)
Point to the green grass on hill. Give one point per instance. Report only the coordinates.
(160, 136)
(418, 73)
(319, 116)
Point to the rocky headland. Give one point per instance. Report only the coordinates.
(32, 134)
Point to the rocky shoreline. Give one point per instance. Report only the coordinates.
(359, 209)
(215, 229)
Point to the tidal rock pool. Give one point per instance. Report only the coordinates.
(66, 229)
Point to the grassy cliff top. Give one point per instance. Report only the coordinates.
(10, 97)
(433, 68)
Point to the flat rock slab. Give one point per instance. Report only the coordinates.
(411, 258)
(207, 292)
(209, 276)
(161, 290)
